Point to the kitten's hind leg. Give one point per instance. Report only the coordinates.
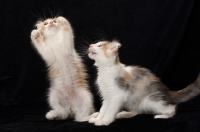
(120, 115)
(167, 112)
(125, 114)
(83, 107)
(59, 112)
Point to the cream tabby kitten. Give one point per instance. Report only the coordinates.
(69, 96)
(131, 87)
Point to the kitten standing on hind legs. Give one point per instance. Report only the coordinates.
(69, 96)
(131, 87)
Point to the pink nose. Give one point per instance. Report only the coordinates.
(90, 46)
(51, 22)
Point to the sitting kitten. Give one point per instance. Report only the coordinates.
(69, 96)
(131, 87)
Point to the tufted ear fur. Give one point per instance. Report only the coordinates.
(115, 45)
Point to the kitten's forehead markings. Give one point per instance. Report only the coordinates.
(104, 46)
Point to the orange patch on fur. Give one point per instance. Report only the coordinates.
(105, 48)
(117, 61)
(53, 72)
(126, 76)
(92, 110)
(66, 29)
(80, 77)
(38, 41)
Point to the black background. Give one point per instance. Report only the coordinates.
(162, 35)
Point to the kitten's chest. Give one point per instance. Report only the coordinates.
(106, 78)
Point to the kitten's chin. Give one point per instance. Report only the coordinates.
(91, 55)
(52, 27)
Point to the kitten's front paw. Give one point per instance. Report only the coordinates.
(102, 122)
(36, 37)
(93, 120)
(94, 115)
(62, 20)
(35, 34)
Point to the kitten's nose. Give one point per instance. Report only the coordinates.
(51, 22)
(90, 46)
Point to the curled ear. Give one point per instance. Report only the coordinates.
(115, 46)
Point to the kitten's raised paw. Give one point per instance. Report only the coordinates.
(35, 34)
(62, 20)
(36, 37)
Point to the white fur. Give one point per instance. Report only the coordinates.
(114, 97)
(55, 43)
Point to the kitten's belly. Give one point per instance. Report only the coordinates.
(65, 75)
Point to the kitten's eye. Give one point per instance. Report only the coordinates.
(99, 45)
(54, 21)
(45, 23)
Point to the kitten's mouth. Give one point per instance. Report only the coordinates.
(52, 26)
(92, 52)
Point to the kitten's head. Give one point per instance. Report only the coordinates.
(51, 26)
(105, 52)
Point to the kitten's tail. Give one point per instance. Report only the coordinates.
(187, 93)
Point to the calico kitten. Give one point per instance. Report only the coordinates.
(131, 87)
(69, 96)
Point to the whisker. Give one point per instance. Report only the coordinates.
(101, 35)
(58, 13)
(88, 43)
(50, 12)
(33, 14)
(83, 50)
(36, 15)
(82, 44)
(54, 12)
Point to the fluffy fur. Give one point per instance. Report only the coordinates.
(68, 95)
(131, 87)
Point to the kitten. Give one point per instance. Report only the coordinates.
(131, 87)
(69, 96)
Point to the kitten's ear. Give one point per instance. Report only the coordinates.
(38, 24)
(115, 46)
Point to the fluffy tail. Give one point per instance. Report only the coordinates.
(187, 93)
